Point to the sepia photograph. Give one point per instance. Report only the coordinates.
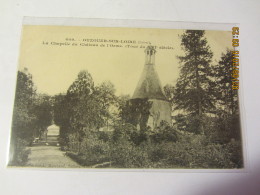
(126, 98)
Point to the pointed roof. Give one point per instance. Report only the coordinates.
(149, 85)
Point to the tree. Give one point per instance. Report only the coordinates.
(42, 109)
(227, 98)
(87, 106)
(136, 112)
(23, 118)
(61, 116)
(81, 102)
(81, 105)
(169, 92)
(193, 92)
(105, 96)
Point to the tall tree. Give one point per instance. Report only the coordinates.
(169, 91)
(87, 106)
(227, 98)
(61, 115)
(193, 88)
(81, 103)
(105, 96)
(42, 109)
(23, 118)
(80, 108)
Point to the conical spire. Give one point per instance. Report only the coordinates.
(149, 85)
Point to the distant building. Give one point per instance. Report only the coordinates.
(149, 87)
(52, 135)
(53, 130)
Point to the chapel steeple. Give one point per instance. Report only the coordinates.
(150, 55)
(149, 85)
(149, 88)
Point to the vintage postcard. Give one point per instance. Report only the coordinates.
(124, 97)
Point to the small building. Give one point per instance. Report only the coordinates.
(149, 87)
(53, 133)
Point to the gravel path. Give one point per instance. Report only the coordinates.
(50, 156)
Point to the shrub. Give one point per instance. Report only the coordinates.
(191, 123)
(126, 131)
(165, 148)
(163, 133)
(92, 151)
(198, 152)
(125, 154)
(235, 149)
(21, 153)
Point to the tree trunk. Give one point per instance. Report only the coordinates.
(199, 103)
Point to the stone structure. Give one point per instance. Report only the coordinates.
(149, 87)
(53, 133)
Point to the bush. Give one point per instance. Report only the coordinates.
(21, 153)
(191, 123)
(164, 148)
(90, 151)
(235, 149)
(197, 153)
(125, 154)
(163, 133)
(223, 129)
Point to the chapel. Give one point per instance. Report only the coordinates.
(149, 87)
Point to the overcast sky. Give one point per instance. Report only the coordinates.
(55, 67)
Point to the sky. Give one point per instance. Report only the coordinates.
(54, 55)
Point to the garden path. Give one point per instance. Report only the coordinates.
(49, 156)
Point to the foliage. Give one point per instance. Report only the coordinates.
(169, 91)
(193, 92)
(224, 129)
(227, 97)
(97, 127)
(93, 150)
(179, 151)
(122, 104)
(60, 109)
(23, 119)
(131, 144)
(32, 114)
(21, 153)
(236, 151)
(81, 103)
(95, 100)
(164, 133)
(136, 112)
(125, 131)
(61, 114)
(193, 85)
(227, 125)
(83, 109)
(42, 109)
(192, 151)
(105, 93)
(190, 123)
(125, 154)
